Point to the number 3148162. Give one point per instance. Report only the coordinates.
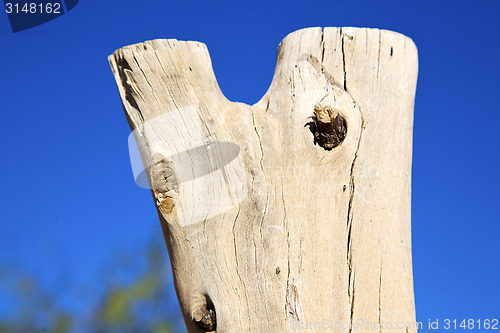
(471, 324)
(33, 8)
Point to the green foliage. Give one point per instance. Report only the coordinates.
(140, 304)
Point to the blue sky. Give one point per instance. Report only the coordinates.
(68, 198)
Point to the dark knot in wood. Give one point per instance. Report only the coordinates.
(205, 318)
(329, 127)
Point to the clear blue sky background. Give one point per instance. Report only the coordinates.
(68, 199)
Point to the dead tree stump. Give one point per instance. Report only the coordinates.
(292, 212)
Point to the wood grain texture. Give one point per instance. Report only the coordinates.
(266, 229)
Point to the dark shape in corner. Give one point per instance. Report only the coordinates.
(25, 14)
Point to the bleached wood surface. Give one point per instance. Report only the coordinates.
(264, 226)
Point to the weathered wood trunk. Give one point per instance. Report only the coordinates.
(293, 212)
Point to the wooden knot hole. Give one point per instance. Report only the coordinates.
(204, 317)
(328, 126)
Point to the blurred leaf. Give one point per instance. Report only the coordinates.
(134, 302)
(162, 328)
(120, 300)
(62, 324)
(26, 285)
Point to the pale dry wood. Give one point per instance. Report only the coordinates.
(285, 231)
